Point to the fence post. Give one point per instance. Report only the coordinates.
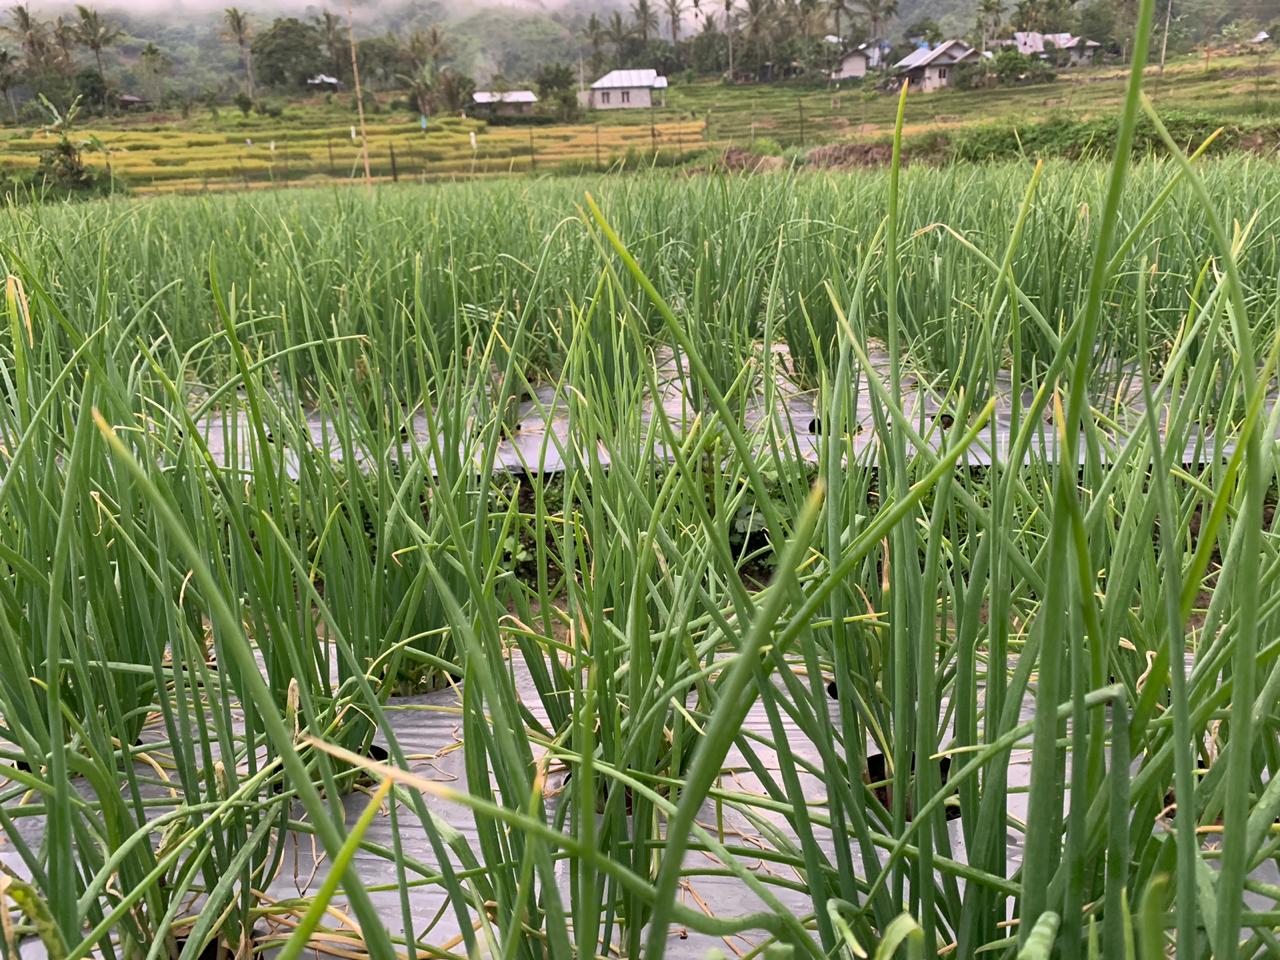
(395, 170)
(597, 145)
(800, 107)
(333, 167)
(653, 127)
(533, 154)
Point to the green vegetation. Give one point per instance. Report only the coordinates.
(201, 647)
(265, 122)
(821, 566)
(313, 143)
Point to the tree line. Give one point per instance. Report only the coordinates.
(66, 57)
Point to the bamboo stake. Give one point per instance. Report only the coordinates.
(355, 73)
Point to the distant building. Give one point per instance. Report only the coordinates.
(928, 69)
(626, 89)
(1033, 44)
(1262, 37)
(877, 52)
(322, 81)
(128, 101)
(504, 103)
(855, 64)
(852, 66)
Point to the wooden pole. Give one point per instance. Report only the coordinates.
(1164, 44)
(355, 73)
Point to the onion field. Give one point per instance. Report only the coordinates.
(791, 566)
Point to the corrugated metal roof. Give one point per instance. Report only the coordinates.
(1031, 42)
(913, 59)
(616, 79)
(948, 51)
(505, 96)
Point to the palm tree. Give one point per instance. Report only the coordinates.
(674, 9)
(760, 18)
(838, 9)
(8, 77)
(428, 47)
(333, 35)
(95, 34)
(646, 19)
(596, 36)
(155, 65)
(240, 31)
(990, 13)
(876, 13)
(807, 19)
(32, 37)
(728, 32)
(65, 40)
(421, 86)
(618, 33)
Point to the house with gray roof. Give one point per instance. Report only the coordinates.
(1032, 43)
(504, 103)
(626, 90)
(933, 68)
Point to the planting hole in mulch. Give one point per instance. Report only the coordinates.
(877, 772)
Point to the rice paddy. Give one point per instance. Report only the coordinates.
(789, 566)
(164, 160)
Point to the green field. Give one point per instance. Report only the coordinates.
(1233, 87)
(254, 519)
(311, 142)
(815, 565)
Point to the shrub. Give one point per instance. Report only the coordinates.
(269, 108)
(974, 75)
(1013, 67)
(766, 147)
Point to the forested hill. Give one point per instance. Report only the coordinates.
(510, 40)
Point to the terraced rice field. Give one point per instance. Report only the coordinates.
(168, 160)
(792, 566)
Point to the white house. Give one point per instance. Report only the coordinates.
(852, 66)
(877, 52)
(928, 69)
(1034, 44)
(626, 89)
(857, 63)
(505, 103)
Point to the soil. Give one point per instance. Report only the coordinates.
(851, 156)
(737, 160)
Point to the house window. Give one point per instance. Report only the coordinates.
(626, 96)
(942, 73)
(604, 97)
